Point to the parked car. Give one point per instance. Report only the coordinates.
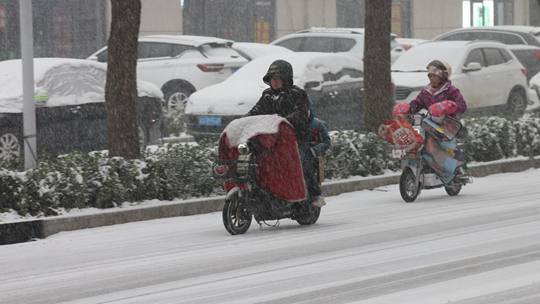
(488, 75)
(534, 93)
(332, 40)
(334, 83)
(506, 34)
(529, 56)
(252, 50)
(70, 108)
(180, 65)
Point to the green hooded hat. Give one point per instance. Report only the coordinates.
(281, 69)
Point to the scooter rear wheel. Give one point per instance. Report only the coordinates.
(408, 188)
(236, 215)
(309, 216)
(453, 190)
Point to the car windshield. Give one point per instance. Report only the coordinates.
(417, 58)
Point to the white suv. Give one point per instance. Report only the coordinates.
(488, 75)
(180, 64)
(333, 40)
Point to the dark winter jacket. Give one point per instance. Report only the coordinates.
(290, 102)
(447, 92)
(319, 137)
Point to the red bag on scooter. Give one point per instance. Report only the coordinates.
(279, 171)
(399, 132)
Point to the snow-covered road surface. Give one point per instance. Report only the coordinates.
(482, 247)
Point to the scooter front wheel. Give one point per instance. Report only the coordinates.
(236, 215)
(408, 188)
(453, 190)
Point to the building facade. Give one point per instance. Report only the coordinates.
(61, 28)
(77, 28)
(432, 17)
(239, 19)
(157, 17)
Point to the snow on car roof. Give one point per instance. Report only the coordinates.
(11, 72)
(516, 28)
(305, 66)
(253, 50)
(185, 39)
(344, 30)
(450, 51)
(239, 92)
(523, 47)
(64, 81)
(336, 30)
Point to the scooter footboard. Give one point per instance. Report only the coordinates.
(266, 207)
(441, 157)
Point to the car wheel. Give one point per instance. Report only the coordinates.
(176, 98)
(10, 148)
(517, 103)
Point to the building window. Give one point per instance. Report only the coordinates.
(487, 12)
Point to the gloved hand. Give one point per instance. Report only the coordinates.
(443, 108)
(401, 109)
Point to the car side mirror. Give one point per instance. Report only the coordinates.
(472, 66)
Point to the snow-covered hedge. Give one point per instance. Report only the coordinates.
(182, 171)
(495, 138)
(94, 180)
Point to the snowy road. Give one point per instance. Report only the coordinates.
(482, 247)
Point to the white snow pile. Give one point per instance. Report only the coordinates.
(59, 82)
(253, 50)
(242, 129)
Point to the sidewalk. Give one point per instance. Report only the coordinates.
(25, 230)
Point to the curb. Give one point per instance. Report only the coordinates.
(27, 230)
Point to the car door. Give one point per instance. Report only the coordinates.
(470, 81)
(498, 72)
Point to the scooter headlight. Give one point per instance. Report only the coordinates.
(243, 149)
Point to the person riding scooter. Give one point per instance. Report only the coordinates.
(291, 102)
(439, 89)
(441, 98)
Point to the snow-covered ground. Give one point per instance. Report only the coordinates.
(482, 247)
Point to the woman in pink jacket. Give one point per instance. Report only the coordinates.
(439, 89)
(441, 98)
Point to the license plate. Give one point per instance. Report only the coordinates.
(210, 120)
(396, 153)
